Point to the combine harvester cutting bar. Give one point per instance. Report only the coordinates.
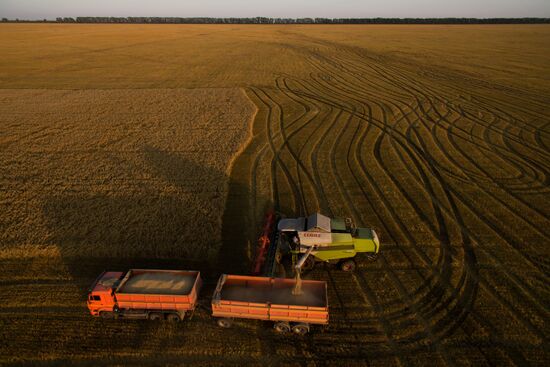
(264, 263)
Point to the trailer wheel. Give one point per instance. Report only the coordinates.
(107, 315)
(347, 265)
(173, 317)
(225, 323)
(300, 329)
(155, 316)
(282, 327)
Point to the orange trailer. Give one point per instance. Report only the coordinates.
(145, 294)
(271, 299)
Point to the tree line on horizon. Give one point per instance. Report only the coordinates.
(265, 20)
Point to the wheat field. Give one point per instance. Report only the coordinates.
(162, 146)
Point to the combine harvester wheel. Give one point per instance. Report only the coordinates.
(348, 265)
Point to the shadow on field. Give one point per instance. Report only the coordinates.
(96, 232)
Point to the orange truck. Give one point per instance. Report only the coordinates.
(145, 294)
(272, 299)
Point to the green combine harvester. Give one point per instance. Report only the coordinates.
(317, 238)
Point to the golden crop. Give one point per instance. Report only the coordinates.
(436, 136)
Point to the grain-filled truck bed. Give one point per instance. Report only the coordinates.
(158, 289)
(270, 299)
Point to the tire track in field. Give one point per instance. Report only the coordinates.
(434, 93)
(409, 127)
(528, 259)
(277, 163)
(343, 193)
(526, 290)
(351, 205)
(301, 168)
(513, 310)
(469, 116)
(364, 136)
(338, 175)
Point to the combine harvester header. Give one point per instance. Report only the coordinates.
(267, 246)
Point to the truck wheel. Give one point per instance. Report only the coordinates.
(300, 329)
(225, 323)
(347, 265)
(107, 315)
(282, 327)
(173, 317)
(155, 316)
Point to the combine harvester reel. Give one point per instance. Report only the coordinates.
(264, 262)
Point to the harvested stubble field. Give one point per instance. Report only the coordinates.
(161, 146)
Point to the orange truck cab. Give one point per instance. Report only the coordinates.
(101, 296)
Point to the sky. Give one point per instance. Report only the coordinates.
(50, 9)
